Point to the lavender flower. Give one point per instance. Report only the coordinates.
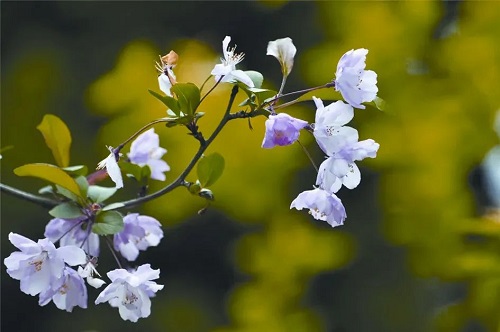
(354, 83)
(146, 150)
(340, 169)
(282, 129)
(226, 71)
(130, 291)
(39, 265)
(70, 294)
(139, 233)
(73, 232)
(322, 205)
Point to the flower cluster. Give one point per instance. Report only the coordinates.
(82, 217)
(339, 142)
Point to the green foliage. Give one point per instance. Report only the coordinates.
(210, 168)
(188, 96)
(57, 137)
(168, 101)
(256, 78)
(76, 170)
(108, 223)
(66, 210)
(52, 174)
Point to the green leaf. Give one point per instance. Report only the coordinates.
(57, 137)
(107, 223)
(210, 168)
(112, 206)
(379, 103)
(46, 190)
(263, 94)
(49, 173)
(76, 170)
(68, 194)
(83, 184)
(133, 170)
(99, 194)
(188, 96)
(256, 77)
(170, 102)
(66, 210)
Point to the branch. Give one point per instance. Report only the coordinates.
(180, 181)
(39, 200)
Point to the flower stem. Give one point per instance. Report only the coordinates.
(110, 246)
(308, 156)
(299, 92)
(152, 123)
(39, 200)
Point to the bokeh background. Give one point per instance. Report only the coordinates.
(420, 250)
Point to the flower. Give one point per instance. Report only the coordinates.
(88, 272)
(329, 129)
(39, 265)
(340, 169)
(111, 164)
(322, 205)
(139, 233)
(73, 232)
(226, 71)
(282, 129)
(354, 83)
(167, 77)
(70, 294)
(283, 50)
(130, 291)
(146, 150)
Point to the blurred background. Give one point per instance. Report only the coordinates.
(420, 249)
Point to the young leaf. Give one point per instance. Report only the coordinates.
(210, 168)
(66, 210)
(57, 137)
(112, 206)
(107, 223)
(256, 77)
(188, 96)
(99, 194)
(49, 173)
(170, 102)
(82, 184)
(76, 170)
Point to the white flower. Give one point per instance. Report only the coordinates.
(354, 83)
(111, 165)
(227, 69)
(283, 50)
(146, 150)
(322, 205)
(167, 77)
(329, 129)
(88, 272)
(130, 291)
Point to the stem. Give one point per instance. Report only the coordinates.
(300, 92)
(108, 242)
(180, 181)
(308, 156)
(211, 89)
(39, 200)
(119, 147)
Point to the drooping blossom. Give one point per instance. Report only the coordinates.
(329, 127)
(111, 165)
(70, 294)
(283, 50)
(88, 273)
(130, 292)
(356, 84)
(39, 265)
(282, 129)
(322, 205)
(139, 233)
(167, 78)
(340, 168)
(146, 150)
(73, 232)
(227, 68)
